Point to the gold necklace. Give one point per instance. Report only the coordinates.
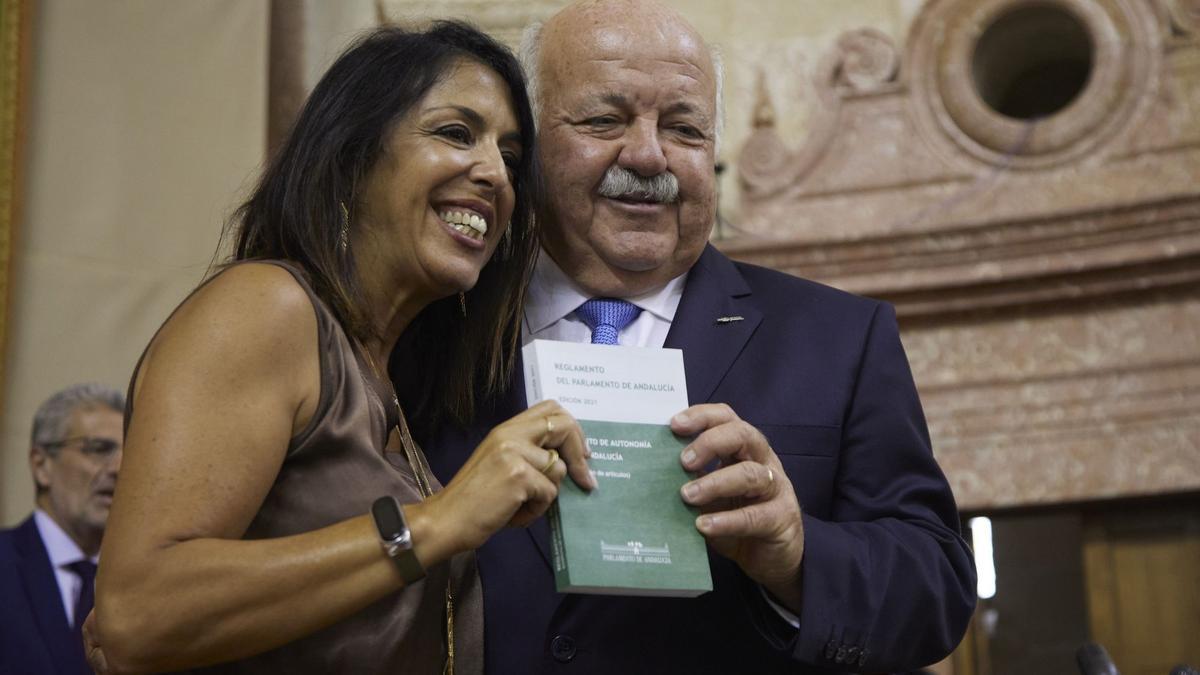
(421, 471)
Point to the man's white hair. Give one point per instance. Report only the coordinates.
(530, 54)
(53, 416)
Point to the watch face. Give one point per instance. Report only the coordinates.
(388, 518)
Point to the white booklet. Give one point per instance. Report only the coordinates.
(633, 535)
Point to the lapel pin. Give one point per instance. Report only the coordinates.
(729, 319)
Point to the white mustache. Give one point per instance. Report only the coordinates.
(619, 182)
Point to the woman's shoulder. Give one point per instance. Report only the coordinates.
(248, 309)
(257, 291)
(247, 331)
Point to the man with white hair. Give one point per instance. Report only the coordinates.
(833, 533)
(48, 562)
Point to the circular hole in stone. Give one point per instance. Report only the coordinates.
(1032, 61)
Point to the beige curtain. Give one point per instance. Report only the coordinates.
(146, 125)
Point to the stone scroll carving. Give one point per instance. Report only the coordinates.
(1184, 16)
(863, 62)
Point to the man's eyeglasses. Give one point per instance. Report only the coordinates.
(95, 448)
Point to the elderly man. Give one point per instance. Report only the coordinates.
(833, 533)
(48, 562)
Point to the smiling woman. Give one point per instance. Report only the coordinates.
(446, 169)
(274, 513)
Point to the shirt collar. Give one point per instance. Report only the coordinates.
(553, 295)
(61, 548)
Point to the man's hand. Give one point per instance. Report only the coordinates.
(749, 511)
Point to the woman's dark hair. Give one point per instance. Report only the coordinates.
(295, 212)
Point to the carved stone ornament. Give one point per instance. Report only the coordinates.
(766, 165)
(866, 61)
(1185, 16)
(1045, 264)
(1125, 58)
(862, 62)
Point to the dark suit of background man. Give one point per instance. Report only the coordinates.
(48, 562)
(835, 542)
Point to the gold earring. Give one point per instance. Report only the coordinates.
(344, 230)
(462, 303)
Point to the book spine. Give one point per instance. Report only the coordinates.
(533, 385)
(558, 552)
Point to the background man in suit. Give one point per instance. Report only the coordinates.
(833, 533)
(48, 562)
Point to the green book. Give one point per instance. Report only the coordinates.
(633, 535)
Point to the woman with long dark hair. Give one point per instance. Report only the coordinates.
(273, 513)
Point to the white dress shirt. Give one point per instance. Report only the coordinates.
(62, 551)
(552, 299)
(550, 315)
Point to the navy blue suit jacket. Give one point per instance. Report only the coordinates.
(887, 581)
(35, 638)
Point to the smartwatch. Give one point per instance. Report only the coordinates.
(396, 538)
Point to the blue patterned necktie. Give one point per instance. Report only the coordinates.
(606, 317)
(86, 569)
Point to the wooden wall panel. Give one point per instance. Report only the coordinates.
(1143, 580)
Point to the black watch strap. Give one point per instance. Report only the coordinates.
(396, 538)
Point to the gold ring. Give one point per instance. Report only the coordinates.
(549, 430)
(553, 459)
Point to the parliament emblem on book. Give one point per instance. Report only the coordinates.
(635, 552)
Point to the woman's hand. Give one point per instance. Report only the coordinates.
(514, 474)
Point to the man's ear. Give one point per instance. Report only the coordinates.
(39, 463)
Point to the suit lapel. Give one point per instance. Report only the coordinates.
(45, 599)
(539, 532)
(713, 323)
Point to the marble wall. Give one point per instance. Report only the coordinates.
(1046, 268)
